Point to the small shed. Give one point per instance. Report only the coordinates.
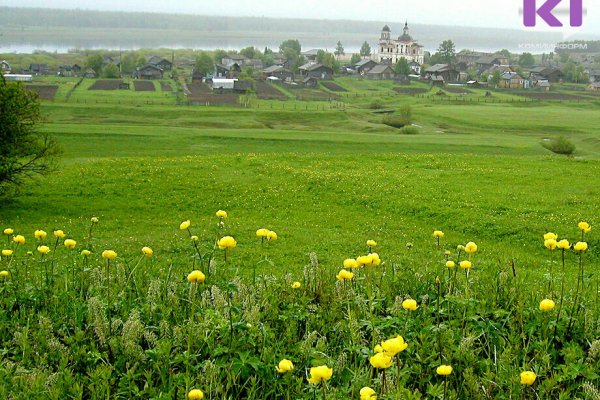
(18, 77)
(223, 84)
(310, 82)
(277, 71)
(4, 67)
(316, 70)
(149, 71)
(381, 72)
(89, 73)
(364, 66)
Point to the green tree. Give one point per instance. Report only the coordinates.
(249, 52)
(218, 55)
(365, 50)
(526, 60)
(141, 60)
(495, 79)
(110, 71)
(94, 61)
(355, 58)
(447, 52)
(402, 67)
(292, 44)
(128, 62)
(24, 151)
(339, 49)
(204, 63)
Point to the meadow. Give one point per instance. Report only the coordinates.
(326, 180)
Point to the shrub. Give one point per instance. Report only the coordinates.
(560, 145)
(376, 104)
(406, 113)
(409, 130)
(395, 121)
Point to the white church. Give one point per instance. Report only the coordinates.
(391, 50)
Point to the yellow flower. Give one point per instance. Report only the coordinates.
(344, 275)
(551, 244)
(320, 374)
(7, 253)
(394, 346)
(194, 238)
(564, 244)
(580, 246)
(378, 349)
(460, 247)
(227, 242)
(70, 244)
(466, 264)
(584, 226)
(367, 393)
(381, 360)
(262, 233)
(438, 234)
(195, 394)
(222, 214)
(196, 277)
(59, 234)
(9, 231)
(450, 264)
(444, 370)
(550, 235)
(85, 252)
(147, 251)
(271, 236)
(43, 249)
(40, 235)
(364, 260)
(350, 263)
(285, 366)
(547, 305)
(528, 377)
(20, 239)
(409, 304)
(184, 225)
(375, 260)
(371, 243)
(4, 274)
(296, 285)
(109, 254)
(470, 247)
(94, 220)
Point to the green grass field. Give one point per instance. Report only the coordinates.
(326, 181)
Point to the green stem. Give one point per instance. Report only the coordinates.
(562, 293)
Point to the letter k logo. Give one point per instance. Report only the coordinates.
(530, 12)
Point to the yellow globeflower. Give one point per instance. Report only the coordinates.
(70, 244)
(262, 233)
(296, 285)
(59, 234)
(547, 305)
(109, 254)
(9, 231)
(409, 305)
(450, 264)
(528, 377)
(381, 360)
(364, 260)
(7, 253)
(344, 275)
(195, 394)
(460, 247)
(551, 244)
(285, 366)
(470, 247)
(196, 277)
(378, 349)
(20, 239)
(227, 242)
(371, 243)
(350, 263)
(367, 393)
(584, 226)
(580, 246)
(40, 234)
(43, 249)
(550, 235)
(271, 236)
(94, 220)
(4, 274)
(184, 225)
(444, 370)
(222, 214)
(564, 244)
(320, 374)
(375, 260)
(466, 264)
(438, 234)
(147, 251)
(85, 252)
(194, 238)
(394, 346)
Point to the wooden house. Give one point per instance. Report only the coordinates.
(39, 69)
(316, 70)
(4, 67)
(148, 71)
(381, 72)
(161, 63)
(364, 66)
(446, 71)
(511, 80)
(277, 71)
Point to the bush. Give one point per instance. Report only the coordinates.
(406, 113)
(409, 130)
(376, 104)
(399, 121)
(560, 145)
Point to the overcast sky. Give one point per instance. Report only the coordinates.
(489, 13)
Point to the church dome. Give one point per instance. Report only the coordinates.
(405, 38)
(386, 29)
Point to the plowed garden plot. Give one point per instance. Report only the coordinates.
(143, 86)
(307, 94)
(200, 93)
(553, 96)
(266, 91)
(165, 87)
(334, 87)
(106, 84)
(457, 90)
(45, 92)
(408, 90)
